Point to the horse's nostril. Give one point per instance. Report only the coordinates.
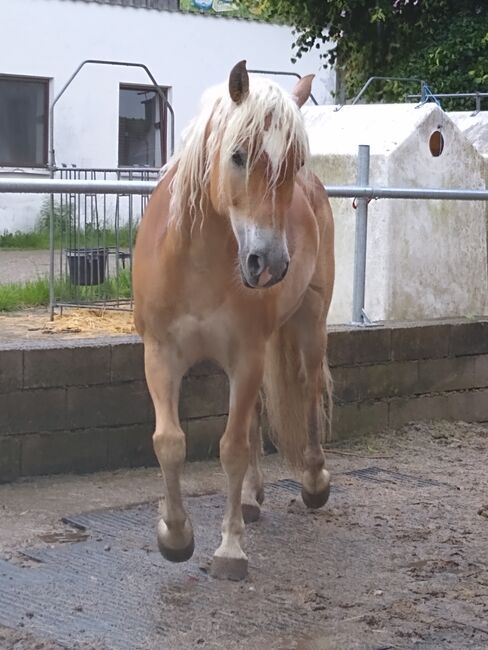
(254, 264)
(285, 270)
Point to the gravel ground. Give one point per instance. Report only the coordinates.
(387, 563)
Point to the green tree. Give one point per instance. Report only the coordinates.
(444, 42)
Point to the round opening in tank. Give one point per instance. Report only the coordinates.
(436, 143)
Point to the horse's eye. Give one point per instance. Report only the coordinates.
(239, 158)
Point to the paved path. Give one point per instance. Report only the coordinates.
(20, 266)
(24, 265)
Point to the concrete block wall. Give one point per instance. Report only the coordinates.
(388, 376)
(81, 406)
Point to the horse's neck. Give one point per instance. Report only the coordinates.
(208, 238)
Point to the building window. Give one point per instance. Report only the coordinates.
(142, 127)
(23, 121)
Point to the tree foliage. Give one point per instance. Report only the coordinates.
(444, 42)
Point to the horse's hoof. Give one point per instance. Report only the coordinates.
(176, 554)
(170, 549)
(314, 501)
(260, 496)
(250, 512)
(228, 568)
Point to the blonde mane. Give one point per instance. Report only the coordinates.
(268, 120)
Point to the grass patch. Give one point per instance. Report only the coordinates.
(35, 293)
(39, 237)
(89, 238)
(66, 235)
(24, 240)
(19, 295)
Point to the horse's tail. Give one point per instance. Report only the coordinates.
(288, 394)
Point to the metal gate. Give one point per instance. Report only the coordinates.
(92, 239)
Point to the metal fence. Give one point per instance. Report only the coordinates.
(92, 238)
(94, 218)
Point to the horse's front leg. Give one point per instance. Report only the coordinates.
(229, 560)
(253, 487)
(163, 374)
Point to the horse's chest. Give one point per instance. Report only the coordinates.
(203, 334)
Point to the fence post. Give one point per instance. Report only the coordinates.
(52, 296)
(358, 316)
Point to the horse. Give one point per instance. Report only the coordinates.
(234, 262)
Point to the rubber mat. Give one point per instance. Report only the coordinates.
(380, 475)
(113, 590)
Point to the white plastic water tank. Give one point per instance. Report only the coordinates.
(425, 258)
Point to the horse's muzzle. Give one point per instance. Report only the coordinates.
(263, 255)
(261, 271)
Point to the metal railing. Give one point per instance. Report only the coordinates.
(361, 192)
(123, 64)
(56, 186)
(283, 73)
(477, 96)
(422, 82)
(424, 89)
(425, 95)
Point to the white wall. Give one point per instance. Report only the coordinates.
(187, 52)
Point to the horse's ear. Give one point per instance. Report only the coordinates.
(239, 82)
(302, 90)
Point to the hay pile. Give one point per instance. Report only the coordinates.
(91, 321)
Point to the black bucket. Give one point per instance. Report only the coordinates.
(87, 266)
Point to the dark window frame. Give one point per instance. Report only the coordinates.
(44, 81)
(163, 121)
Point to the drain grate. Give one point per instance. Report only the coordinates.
(285, 485)
(109, 523)
(380, 475)
(294, 487)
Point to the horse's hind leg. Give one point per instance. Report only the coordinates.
(315, 478)
(252, 489)
(229, 560)
(175, 533)
(309, 328)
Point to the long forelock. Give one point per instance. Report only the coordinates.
(267, 121)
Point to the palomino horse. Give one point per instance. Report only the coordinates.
(234, 262)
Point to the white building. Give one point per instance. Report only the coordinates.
(110, 116)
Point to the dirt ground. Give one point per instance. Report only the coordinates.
(389, 562)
